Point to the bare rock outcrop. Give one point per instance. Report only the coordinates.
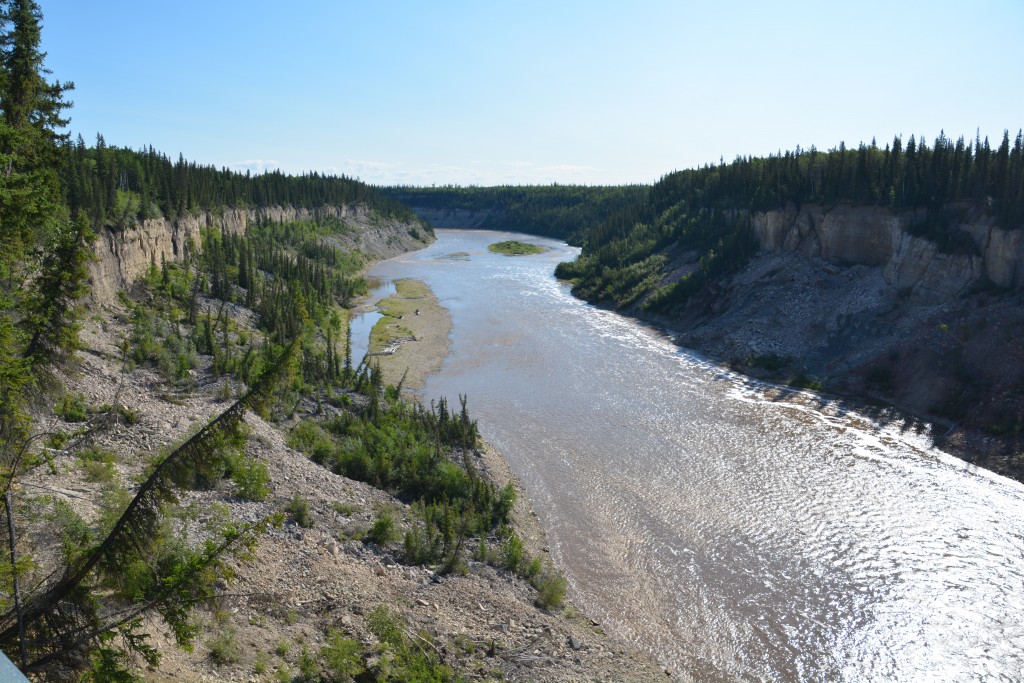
(877, 236)
(1004, 253)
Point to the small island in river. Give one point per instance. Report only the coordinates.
(515, 248)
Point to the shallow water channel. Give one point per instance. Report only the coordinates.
(737, 531)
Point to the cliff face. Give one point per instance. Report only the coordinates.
(122, 256)
(874, 236)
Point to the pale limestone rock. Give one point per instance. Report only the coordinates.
(124, 255)
(877, 236)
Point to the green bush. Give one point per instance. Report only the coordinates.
(550, 590)
(99, 472)
(109, 665)
(344, 509)
(512, 551)
(223, 647)
(402, 660)
(58, 440)
(72, 408)
(341, 657)
(309, 668)
(98, 464)
(252, 480)
(383, 530)
(298, 511)
(309, 438)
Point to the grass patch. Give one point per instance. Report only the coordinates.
(410, 296)
(515, 248)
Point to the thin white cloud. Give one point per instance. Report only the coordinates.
(504, 172)
(255, 165)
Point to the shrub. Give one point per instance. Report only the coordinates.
(223, 648)
(99, 472)
(252, 480)
(402, 660)
(72, 408)
(533, 569)
(344, 509)
(109, 665)
(482, 553)
(512, 551)
(298, 511)
(127, 414)
(308, 667)
(341, 657)
(309, 438)
(383, 530)
(550, 590)
(58, 440)
(98, 464)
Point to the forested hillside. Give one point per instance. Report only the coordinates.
(626, 259)
(563, 211)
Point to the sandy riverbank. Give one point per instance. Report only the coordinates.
(412, 338)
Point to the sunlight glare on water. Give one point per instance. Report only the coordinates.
(736, 530)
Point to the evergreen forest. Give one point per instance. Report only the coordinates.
(115, 186)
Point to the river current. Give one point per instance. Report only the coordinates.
(736, 530)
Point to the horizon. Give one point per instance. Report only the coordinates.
(572, 94)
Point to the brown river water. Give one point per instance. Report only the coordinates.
(736, 530)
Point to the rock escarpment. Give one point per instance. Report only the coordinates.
(876, 236)
(122, 256)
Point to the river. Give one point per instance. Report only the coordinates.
(738, 531)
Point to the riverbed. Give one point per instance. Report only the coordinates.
(736, 530)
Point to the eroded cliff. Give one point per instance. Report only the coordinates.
(875, 236)
(122, 256)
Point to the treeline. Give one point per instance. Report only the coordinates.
(700, 216)
(562, 211)
(900, 176)
(117, 185)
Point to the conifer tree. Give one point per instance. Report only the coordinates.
(30, 120)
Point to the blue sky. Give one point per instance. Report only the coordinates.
(529, 92)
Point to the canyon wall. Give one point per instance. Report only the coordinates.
(122, 256)
(876, 236)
